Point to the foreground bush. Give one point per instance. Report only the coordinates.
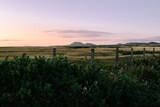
(57, 82)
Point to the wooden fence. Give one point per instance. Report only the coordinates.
(117, 54)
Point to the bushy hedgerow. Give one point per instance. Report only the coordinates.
(41, 81)
(145, 70)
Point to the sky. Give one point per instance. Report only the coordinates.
(61, 22)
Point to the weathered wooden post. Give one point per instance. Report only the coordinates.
(153, 52)
(117, 54)
(131, 53)
(54, 52)
(144, 52)
(92, 56)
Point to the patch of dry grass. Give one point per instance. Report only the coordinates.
(74, 54)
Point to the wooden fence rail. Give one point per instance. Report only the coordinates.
(92, 56)
(131, 53)
(117, 54)
(153, 51)
(54, 52)
(144, 52)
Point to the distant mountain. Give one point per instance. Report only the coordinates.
(76, 44)
(89, 44)
(153, 43)
(81, 44)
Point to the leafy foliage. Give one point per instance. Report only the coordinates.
(57, 82)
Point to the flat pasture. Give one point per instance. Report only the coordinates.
(77, 54)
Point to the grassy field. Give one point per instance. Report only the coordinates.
(106, 55)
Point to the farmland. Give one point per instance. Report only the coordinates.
(105, 55)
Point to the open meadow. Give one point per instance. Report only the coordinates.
(78, 54)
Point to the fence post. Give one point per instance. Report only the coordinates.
(54, 52)
(153, 52)
(117, 54)
(92, 56)
(131, 53)
(144, 52)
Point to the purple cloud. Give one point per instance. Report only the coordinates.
(146, 39)
(78, 31)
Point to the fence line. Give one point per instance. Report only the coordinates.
(54, 52)
(144, 52)
(153, 51)
(92, 56)
(131, 53)
(117, 54)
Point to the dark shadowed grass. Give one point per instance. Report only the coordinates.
(137, 52)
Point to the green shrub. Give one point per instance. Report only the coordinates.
(57, 82)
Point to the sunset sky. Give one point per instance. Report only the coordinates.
(61, 22)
